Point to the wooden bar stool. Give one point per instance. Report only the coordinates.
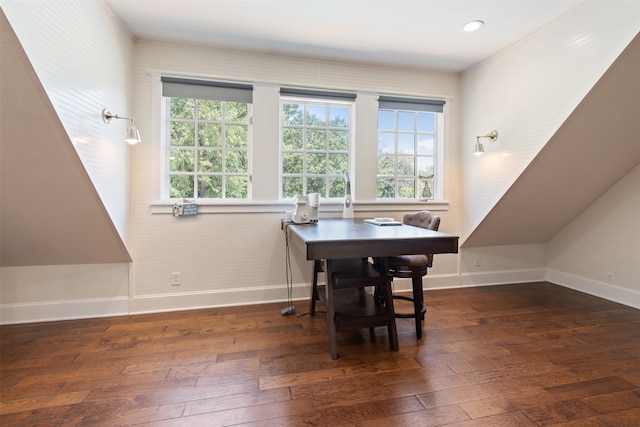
(348, 304)
(414, 267)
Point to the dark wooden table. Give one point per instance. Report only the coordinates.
(349, 238)
(333, 239)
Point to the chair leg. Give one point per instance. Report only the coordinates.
(391, 329)
(418, 303)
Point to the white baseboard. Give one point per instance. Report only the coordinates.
(106, 307)
(503, 277)
(63, 310)
(220, 298)
(609, 292)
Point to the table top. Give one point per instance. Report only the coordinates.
(353, 238)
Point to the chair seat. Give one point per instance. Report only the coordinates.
(412, 261)
(414, 267)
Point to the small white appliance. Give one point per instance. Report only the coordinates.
(306, 209)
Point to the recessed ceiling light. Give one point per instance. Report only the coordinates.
(473, 25)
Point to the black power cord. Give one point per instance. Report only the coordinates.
(290, 309)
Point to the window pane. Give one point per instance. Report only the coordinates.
(317, 139)
(338, 140)
(406, 166)
(338, 164)
(315, 149)
(210, 187)
(339, 116)
(236, 136)
(406, 189)
(386, 120)
(237, 111)
(236, 162)
(316, 163)
(210, 135)
(406, 121)
(385, 165)
(316, 185)
(181, 186)
(210, 161)
(183, 133)
(237, 187)
(292, 163)
(209, 110)
(181, 160)
(406, 143)
(292, 139)
(291, 186)
(182, 108)
(337, 187)
(386, 189)
(426, 122)
(292, 114)
(425, 166)
(407, 152)
(316, 115)
(386, 142)
(425, 144)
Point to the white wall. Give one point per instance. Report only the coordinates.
(604, 239)
(528, 90)
(238, 257)
(82, 55)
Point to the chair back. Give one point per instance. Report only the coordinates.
(424, 219)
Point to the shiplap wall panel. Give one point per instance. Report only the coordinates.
(529, 89)
(82, 55)
(222, 254)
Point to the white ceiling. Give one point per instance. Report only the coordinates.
(416, 33)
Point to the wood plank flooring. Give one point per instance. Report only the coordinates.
(516, 355)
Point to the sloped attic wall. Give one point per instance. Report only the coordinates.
(50, 211)
(597, 145)
(527, 92)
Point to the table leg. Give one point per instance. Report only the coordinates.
(331, 314)
(317, 268)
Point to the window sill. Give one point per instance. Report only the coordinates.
(166, 207)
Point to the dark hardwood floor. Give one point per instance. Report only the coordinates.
(517, 355)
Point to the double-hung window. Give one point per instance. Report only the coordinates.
(207, 139)
(409, 131)
(316, 134)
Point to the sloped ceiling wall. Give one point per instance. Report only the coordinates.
(50, 213)
(598, 144)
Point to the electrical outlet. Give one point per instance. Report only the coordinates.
(477, 261)
(610, 278)
(175, 279)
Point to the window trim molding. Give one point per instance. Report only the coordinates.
(328, 209)
(267, 202)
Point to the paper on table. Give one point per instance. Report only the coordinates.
(382, 221)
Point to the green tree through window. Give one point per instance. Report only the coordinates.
(315, 147)
(208, 148)
(407, 151)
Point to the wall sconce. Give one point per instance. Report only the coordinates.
(478, 148)
(133, 135)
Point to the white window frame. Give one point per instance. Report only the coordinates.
(415, 106)
(325, 99)
(166, 146)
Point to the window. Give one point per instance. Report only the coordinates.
(207, 139)
(408, 135)
(315, 142)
